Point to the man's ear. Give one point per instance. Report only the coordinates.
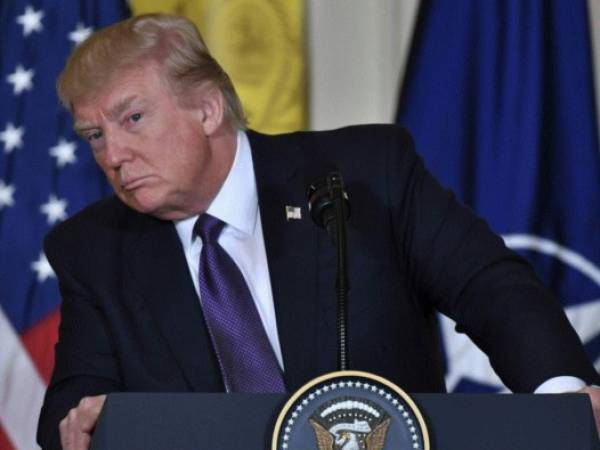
(211, 109)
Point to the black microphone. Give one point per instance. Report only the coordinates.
(329, 208)
(328, 203)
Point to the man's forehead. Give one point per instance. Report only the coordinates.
(120, 92)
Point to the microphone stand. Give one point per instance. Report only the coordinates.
(341, 283)
(329, 208)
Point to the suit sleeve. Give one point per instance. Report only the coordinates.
(85, 364)
(462, 269)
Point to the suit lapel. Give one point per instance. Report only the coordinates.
(160, 272)
(291, 254)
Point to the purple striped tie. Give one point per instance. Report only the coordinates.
(245, 355)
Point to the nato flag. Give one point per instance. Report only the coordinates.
(499, 97)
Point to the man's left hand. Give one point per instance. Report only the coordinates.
(594, 393)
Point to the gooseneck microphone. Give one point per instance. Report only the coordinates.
(328, 203)
(329, 208)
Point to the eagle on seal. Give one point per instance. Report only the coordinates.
(349, 440)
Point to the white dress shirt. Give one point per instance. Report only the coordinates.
(236, 204)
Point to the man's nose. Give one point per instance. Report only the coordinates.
(117, 151)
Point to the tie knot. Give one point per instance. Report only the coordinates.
(208, 228)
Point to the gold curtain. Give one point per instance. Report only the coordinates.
(260, 43)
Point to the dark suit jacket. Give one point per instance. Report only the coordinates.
(131, 319)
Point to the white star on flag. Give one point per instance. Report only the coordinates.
(12, 137)
(6, 194)
(80, 34)
(43, 268)
(64, 152)
(31, 20)
(582, 316)
(55, 209)
(21, 79)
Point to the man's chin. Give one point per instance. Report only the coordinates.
(158, 211)
(142, 205)
(156, 207)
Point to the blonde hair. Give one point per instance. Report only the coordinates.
(172, 41)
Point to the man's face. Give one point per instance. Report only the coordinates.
(156, 152)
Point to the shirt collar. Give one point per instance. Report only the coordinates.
(236, 203)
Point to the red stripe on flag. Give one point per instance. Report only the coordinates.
(39, 342)
(5, 444)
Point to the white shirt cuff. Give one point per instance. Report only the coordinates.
(559, 385)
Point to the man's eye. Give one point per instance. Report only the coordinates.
(135, 117)
(94, 136)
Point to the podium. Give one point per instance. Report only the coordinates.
(132, 421)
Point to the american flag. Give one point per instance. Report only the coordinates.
(46, 175)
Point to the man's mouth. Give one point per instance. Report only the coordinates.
(133, 183)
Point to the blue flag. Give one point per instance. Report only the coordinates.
(499, 97)
(46, 175)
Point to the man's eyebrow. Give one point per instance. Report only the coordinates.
(122, 105)
(81, 127)
(113, 114)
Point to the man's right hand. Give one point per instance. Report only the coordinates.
(76, 428)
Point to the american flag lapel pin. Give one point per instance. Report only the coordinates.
(293, 212)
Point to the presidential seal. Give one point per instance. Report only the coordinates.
(350, 410)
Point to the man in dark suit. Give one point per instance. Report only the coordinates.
(165, 126)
